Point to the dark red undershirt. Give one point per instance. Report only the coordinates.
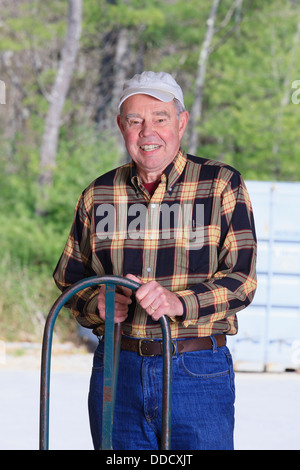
(151, 187)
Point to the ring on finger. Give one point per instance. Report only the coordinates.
(153, 309)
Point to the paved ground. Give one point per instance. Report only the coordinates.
(267, 405)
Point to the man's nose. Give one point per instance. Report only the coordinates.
(147, 129)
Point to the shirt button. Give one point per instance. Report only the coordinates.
(153, 206)
(148, 269)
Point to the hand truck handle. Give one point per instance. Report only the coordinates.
(111, 360)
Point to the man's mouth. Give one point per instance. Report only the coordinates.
(149, 148)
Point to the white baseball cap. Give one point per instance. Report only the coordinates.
(160, 85)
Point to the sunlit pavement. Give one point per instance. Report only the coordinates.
(267, 407)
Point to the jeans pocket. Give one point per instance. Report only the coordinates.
(204, 364)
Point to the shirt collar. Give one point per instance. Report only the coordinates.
(171, 174)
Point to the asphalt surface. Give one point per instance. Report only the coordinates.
(267, 406)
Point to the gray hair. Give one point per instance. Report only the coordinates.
(179, 107)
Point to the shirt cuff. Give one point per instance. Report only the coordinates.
(91, 311)
(191, 307)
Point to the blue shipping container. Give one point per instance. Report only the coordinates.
(269, 329)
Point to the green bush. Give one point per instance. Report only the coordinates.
(31, 245)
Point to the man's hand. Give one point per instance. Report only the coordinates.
(157, 300)
(122, 301)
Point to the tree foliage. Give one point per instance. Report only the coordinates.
(248, 118)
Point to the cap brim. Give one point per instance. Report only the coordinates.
(158, 94)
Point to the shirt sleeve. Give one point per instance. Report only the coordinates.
(75, 265)
(232, 287)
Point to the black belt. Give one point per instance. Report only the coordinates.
(150, 347)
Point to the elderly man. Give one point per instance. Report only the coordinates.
(181, 226)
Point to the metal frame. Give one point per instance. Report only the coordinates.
(112, 343)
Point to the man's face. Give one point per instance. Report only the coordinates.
(152, 133)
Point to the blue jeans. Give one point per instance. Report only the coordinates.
(203, 395)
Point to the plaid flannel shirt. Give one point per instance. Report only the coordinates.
(213, 280)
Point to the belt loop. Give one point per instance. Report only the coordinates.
(214, 343)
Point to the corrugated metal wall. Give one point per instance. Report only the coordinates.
(269, 329)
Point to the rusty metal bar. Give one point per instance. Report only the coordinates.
(113, 350)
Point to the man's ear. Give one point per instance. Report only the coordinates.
(183, 120)
(120, 124)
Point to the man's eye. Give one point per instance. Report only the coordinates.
(134, 122)
(161, 120)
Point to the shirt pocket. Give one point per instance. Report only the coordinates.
(197, 252)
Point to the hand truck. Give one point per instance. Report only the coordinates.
(112, 343)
